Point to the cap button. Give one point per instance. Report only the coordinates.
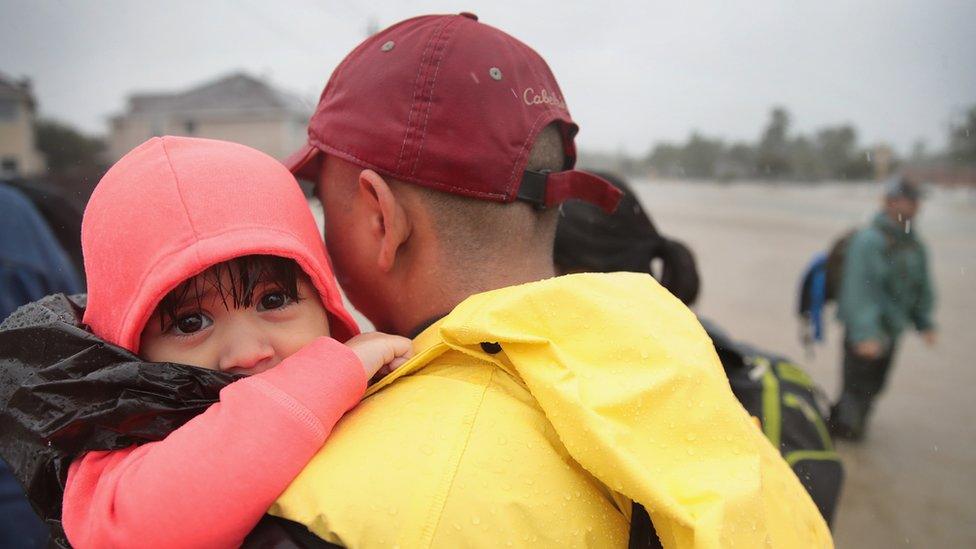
(469, 15)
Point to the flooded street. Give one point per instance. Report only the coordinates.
(911, 482)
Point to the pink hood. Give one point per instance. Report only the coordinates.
(173, 207)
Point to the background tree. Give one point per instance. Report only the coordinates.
(806, 161)
(832, 152)
(841, 155)
(962, 139)
(772, 158)
(700, 156)
(739, 161)
(67, 150)
(665, 159)
(919, 151)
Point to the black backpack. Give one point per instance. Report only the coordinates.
(834, 268)
(792, 411)
(819, 285)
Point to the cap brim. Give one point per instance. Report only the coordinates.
(305, 163)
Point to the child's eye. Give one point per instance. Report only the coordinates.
(191, 323)
(273, 300)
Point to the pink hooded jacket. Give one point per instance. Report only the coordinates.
(174, 206)
(167, 211)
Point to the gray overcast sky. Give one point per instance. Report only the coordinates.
(633, 73)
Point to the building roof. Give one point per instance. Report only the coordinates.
(234, 92)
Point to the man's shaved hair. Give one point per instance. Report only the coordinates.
(472, 229)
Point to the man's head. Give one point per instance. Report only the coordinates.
(406, 253)
(901, 199)
(432, 146)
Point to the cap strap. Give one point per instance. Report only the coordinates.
(533, 189)
(547, 189)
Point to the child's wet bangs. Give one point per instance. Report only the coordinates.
(233, 282)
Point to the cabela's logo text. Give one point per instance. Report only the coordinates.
(542, 98)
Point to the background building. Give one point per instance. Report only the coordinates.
(18, 152)
(237, 107)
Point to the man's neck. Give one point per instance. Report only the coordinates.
(436, 293)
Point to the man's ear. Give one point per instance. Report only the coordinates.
(387, 220)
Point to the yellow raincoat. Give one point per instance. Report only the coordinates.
(532, 415)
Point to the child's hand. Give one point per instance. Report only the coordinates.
(380, 352)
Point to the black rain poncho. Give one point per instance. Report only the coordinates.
(64, 392)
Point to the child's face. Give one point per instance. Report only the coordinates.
(245, 340)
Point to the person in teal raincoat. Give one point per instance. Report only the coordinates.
(885, 289)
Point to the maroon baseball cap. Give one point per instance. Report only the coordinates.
(452, 104)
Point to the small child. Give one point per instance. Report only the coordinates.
(205, 253)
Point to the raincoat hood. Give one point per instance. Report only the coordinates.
(630, 383)
(175, 206)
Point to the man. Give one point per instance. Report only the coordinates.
(32, 265)
(771, 388)
(885, 288)
(537, 409)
